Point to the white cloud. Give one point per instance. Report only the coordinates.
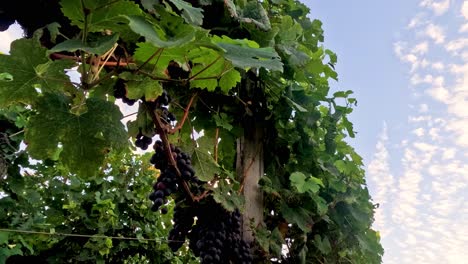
(458, 128)
(421, 48)
(464, 9)
(410, 57)
(439, 93)
(463, 28)
(436, 81)
(456, 45)
(378, 171)
(438, 66)
(448, 153)
(434, 133)
(416, 21)
(423, 108)
(419, 132)
(398, 48)
(439, 7)
(436, 33)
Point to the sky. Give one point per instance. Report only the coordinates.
(407, 62)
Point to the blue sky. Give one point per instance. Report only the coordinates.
(407, 62)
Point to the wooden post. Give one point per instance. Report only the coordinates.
(250, 170)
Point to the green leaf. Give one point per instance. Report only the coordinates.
(297, 106)
(346, 167)
(28, 68)
(145, 50)
(305, 184)
(203, 162)
(222, 120)
(54, 30)
(246, 54)
(229, 80)
(103, 14)
(85, 138)
(4, 237)
(208, 66)
(349, 126)
(149, 5)
(99, 47)
(143, 122)
(342, 94)
(5, 76)
(276, 242)
(254, 13)
(297, 215)
(191, 15)
(157, 36)
(262, 238)
(227, 196)
(322, 244)
(147, 87)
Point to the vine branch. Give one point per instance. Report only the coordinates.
(160, 128)
(186, 112)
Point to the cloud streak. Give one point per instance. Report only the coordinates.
(424, 215)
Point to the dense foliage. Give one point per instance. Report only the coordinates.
(203, 74)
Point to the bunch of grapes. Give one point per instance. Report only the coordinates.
(214, 233)
(120, 92)
(142, 141)
(167, 182)
(216, 237)
(183, 221)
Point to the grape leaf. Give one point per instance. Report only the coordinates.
(297, 106)
(4, 238)
(143, 123)
(322, 244)
(227, 196)
(244, 55)
(103, 14)
(203, 163)
(252, 13)
(157, 36)
(149, 5)
(209, 66)
(85, 139)
(145, 50)
(297, 215)
(305, 184)
(29, 68)
(148, 87)
(223, 120)
(229, 80)
(99, 47)
(191, 15)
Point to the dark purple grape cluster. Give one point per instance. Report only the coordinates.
(216, 237)
(165, 186)
(142, 141)
(167, 182)
(167, 116)
(120, 92)
(161, 104)
(183, 221)
(164, 99)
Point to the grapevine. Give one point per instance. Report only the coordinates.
(216, 235)
(249, 147)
